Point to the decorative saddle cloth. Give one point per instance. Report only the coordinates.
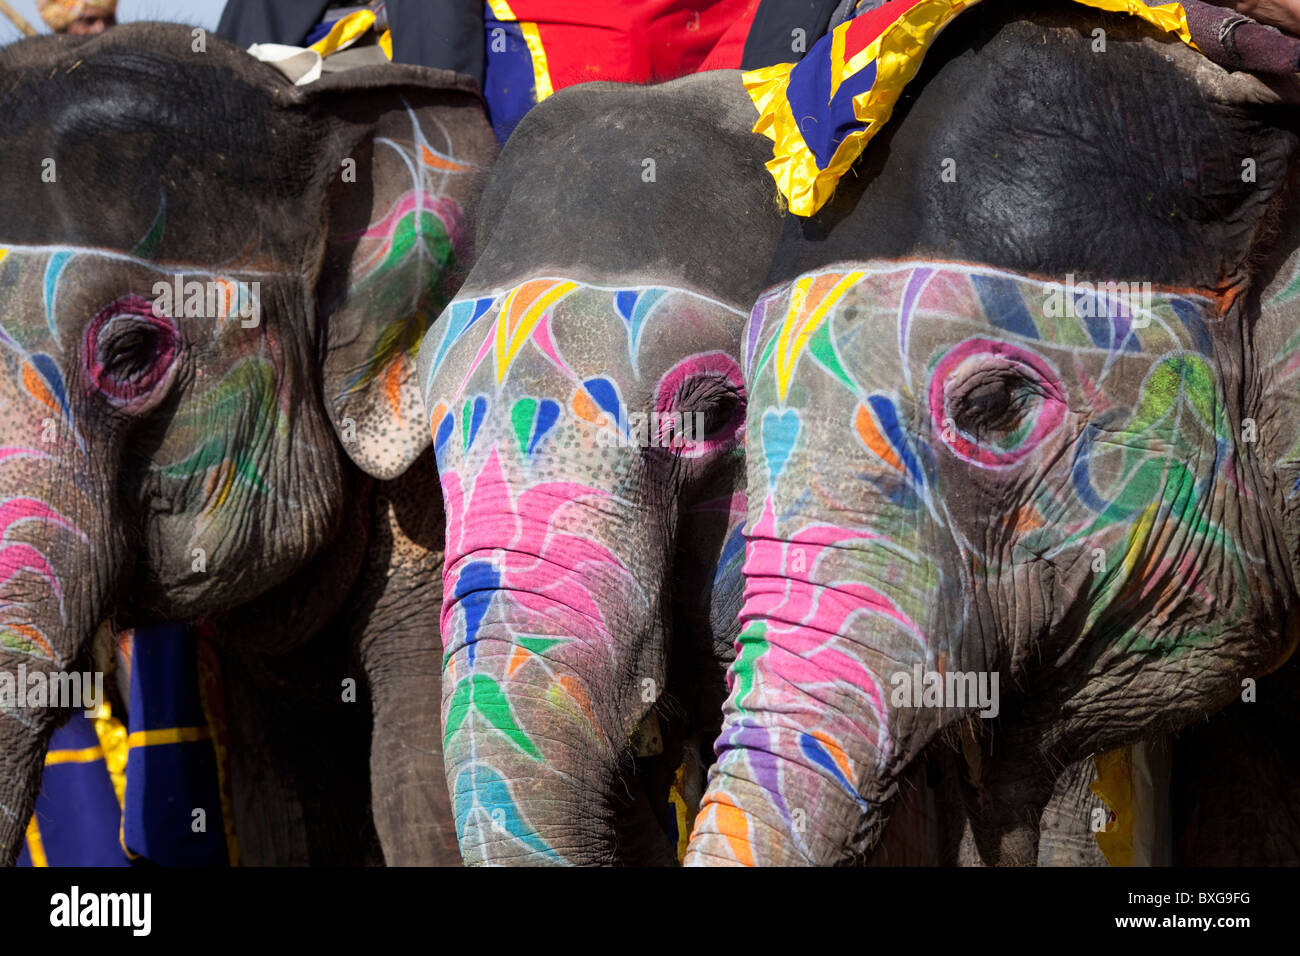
(821, 112)
(521, 51)
(148, 790)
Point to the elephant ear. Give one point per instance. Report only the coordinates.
(404, 152)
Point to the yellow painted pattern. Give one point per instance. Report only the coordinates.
(1138, 537)
(809, 303)
(523, 309)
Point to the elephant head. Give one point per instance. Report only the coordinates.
(586, 406)
(1012, 451)
(213, 285)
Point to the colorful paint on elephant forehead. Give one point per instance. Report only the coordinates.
(520, 316)
(811, 300)
(802, 325)
(1116, 317)
(41, 380)
(1096, 318)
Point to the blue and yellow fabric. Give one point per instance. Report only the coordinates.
(821, 112)
(114, 794)
(516, 76)
(330, 36)
(78, 816)
(536, 47)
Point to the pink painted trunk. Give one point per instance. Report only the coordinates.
(550, 639)
(811, 747)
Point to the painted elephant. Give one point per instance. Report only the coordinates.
(1021, 442)
(213, 286)
(586, 407)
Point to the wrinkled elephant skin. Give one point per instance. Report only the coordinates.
(982, 484)
(210, 312)
(587, 412)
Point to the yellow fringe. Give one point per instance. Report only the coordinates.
(1114, 785)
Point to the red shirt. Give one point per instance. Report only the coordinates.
(636, 41)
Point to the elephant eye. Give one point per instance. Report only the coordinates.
(993, 405)
(706, 393)
(129, 349)
(718, 405)
(712, 409)
(993, 402)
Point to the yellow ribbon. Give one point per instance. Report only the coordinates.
(348, 30)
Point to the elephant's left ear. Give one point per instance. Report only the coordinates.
(404, 152)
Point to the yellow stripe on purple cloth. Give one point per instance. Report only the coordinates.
(533, 37)
(168, 735)
(35, 845)
(85, 755)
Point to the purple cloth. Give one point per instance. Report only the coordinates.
(1237, 42)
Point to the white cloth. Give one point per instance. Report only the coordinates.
(298, 64)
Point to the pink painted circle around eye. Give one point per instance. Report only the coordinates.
(717, 365)
(1050, 414)
(153, 351)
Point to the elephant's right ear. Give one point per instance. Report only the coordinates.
(404, 152)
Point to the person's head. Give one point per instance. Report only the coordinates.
(78, 17)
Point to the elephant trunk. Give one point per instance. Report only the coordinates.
(815, 734)
(22, 749)
(46, 629)
(554, 656)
